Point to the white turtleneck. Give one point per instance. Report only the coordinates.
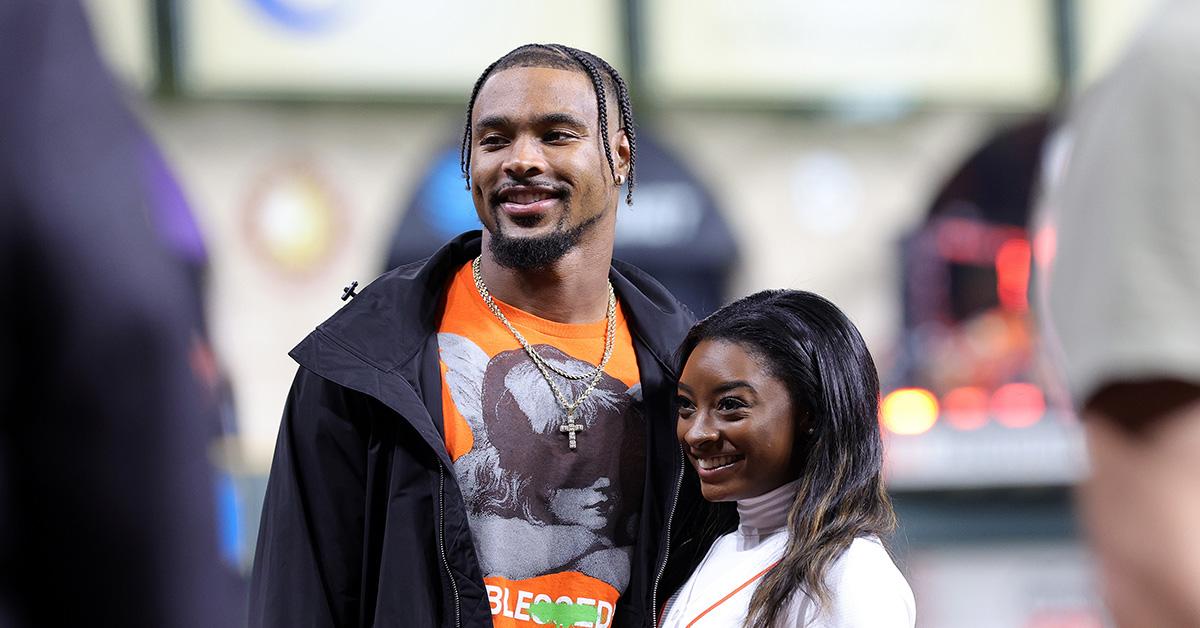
(867, 591)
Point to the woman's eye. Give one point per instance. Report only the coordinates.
(731, 403)
(684, 404)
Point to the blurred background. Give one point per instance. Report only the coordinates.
(884, 154)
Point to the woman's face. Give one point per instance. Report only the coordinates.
(736, 423)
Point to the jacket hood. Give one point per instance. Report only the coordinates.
(389, 321)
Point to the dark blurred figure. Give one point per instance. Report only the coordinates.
(1124, 303)
(106, 494)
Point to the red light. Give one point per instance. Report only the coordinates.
(966, 408)
(1012, 274)
(909, 411)
(1018, 405)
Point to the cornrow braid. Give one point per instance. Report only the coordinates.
(464, 151)
(625, 110)
(567, 58)
(601, 101)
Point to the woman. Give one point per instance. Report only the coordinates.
(778, 400)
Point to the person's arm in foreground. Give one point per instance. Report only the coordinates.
(1141, 504)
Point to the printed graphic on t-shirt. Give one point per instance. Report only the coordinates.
(535, 506)
(554, 528)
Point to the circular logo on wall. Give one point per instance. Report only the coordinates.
(293, 218)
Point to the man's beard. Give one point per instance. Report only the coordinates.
(538, 252)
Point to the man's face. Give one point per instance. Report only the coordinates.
(539, 175)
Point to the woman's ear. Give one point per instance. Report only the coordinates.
(804, 423)
(802, 445)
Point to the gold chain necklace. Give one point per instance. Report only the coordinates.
(569, 427)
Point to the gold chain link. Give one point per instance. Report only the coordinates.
(545, 367)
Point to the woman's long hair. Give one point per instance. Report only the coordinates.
(808, 343)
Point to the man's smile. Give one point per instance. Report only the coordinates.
(524, 203)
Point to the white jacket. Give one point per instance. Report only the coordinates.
(867, 590)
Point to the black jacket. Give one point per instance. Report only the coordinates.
(364, 523)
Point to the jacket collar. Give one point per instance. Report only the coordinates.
(388, 323)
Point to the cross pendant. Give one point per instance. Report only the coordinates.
(569, 429)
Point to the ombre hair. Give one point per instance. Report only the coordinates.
(807, 343)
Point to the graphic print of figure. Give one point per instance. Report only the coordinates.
(573, 510)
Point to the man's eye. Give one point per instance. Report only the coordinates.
(493, 140)
(558, 136)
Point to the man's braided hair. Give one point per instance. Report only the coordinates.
(604, 77)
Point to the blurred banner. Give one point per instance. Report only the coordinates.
(367, 47)
(919, 50)
(935, 51)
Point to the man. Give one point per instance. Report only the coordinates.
(487, 437)
(1124, 304)
(106, 492)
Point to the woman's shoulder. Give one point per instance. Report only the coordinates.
(868, 590)
(867, 558)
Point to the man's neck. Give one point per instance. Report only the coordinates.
(572, 290)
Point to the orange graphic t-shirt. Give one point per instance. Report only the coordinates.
(554, 528)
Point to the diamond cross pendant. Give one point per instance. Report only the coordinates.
(569, 429)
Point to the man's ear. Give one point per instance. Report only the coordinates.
(621, 140)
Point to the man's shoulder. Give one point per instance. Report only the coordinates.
(653, 292)
(660, 319)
